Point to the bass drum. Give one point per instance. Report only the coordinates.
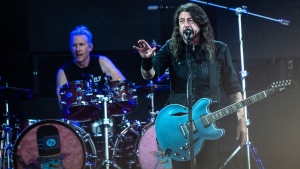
(54, 144)
(137, 148)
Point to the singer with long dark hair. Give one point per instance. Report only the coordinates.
(192, 48)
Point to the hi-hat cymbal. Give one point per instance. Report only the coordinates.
(14, 93)
(152, 87)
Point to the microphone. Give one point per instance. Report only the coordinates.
(159, 7)
(284, 22)
(187, 32)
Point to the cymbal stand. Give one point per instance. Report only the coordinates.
(106, 124)
(239, 11)
(5, 142)
(152, 109)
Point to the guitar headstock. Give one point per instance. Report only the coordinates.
(282, 85)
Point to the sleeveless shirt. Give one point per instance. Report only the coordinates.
(93, 70)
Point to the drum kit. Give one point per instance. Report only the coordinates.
(93, 133)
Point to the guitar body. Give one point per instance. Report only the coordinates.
(172, 129)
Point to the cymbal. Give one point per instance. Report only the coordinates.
(14, 93)
(152, 87)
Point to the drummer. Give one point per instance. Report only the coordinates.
(84, 66)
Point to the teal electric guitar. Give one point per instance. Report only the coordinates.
(172, 127)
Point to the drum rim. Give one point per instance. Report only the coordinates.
(93, 108)
(48, 121)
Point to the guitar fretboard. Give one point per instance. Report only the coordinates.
(206, 120)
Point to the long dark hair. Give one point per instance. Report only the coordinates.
(206, 33)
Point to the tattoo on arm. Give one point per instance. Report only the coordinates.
(236, 97)
(148, 74)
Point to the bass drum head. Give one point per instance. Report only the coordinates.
(137, 148)
(50, 143)
(150, 154)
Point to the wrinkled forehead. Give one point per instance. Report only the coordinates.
(185, 15)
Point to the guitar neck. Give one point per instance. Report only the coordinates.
(206, 120)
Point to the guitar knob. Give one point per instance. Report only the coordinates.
(187, 145)
(176, 154)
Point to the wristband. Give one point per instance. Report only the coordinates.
(147, 64)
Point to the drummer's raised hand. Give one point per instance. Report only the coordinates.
(145, 49)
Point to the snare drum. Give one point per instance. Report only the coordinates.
(79, 101)
(54, 144)
(123, 100)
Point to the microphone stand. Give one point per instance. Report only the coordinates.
(189, 99)
(244, 73)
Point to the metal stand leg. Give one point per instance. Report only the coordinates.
(106, 123)
(6, 156)
(107, 162)
(253, 152)
(230, 157)
(255, 155)
(152, 111)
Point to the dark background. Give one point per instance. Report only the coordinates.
(34, 44)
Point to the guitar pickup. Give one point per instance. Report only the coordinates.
(187, 126)
(204, 120)
(182, 130)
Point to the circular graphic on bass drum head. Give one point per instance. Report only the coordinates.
(49, 144)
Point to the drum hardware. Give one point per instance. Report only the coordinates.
(164, 77)
(151, 88)
(124, 123)
(24, 165)
(125, 152)
(87, 138)
(79, 101)
(96, 129)
(123, 100)
(107, 162)
(155, 44)
(152, 45)
(9, 94)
